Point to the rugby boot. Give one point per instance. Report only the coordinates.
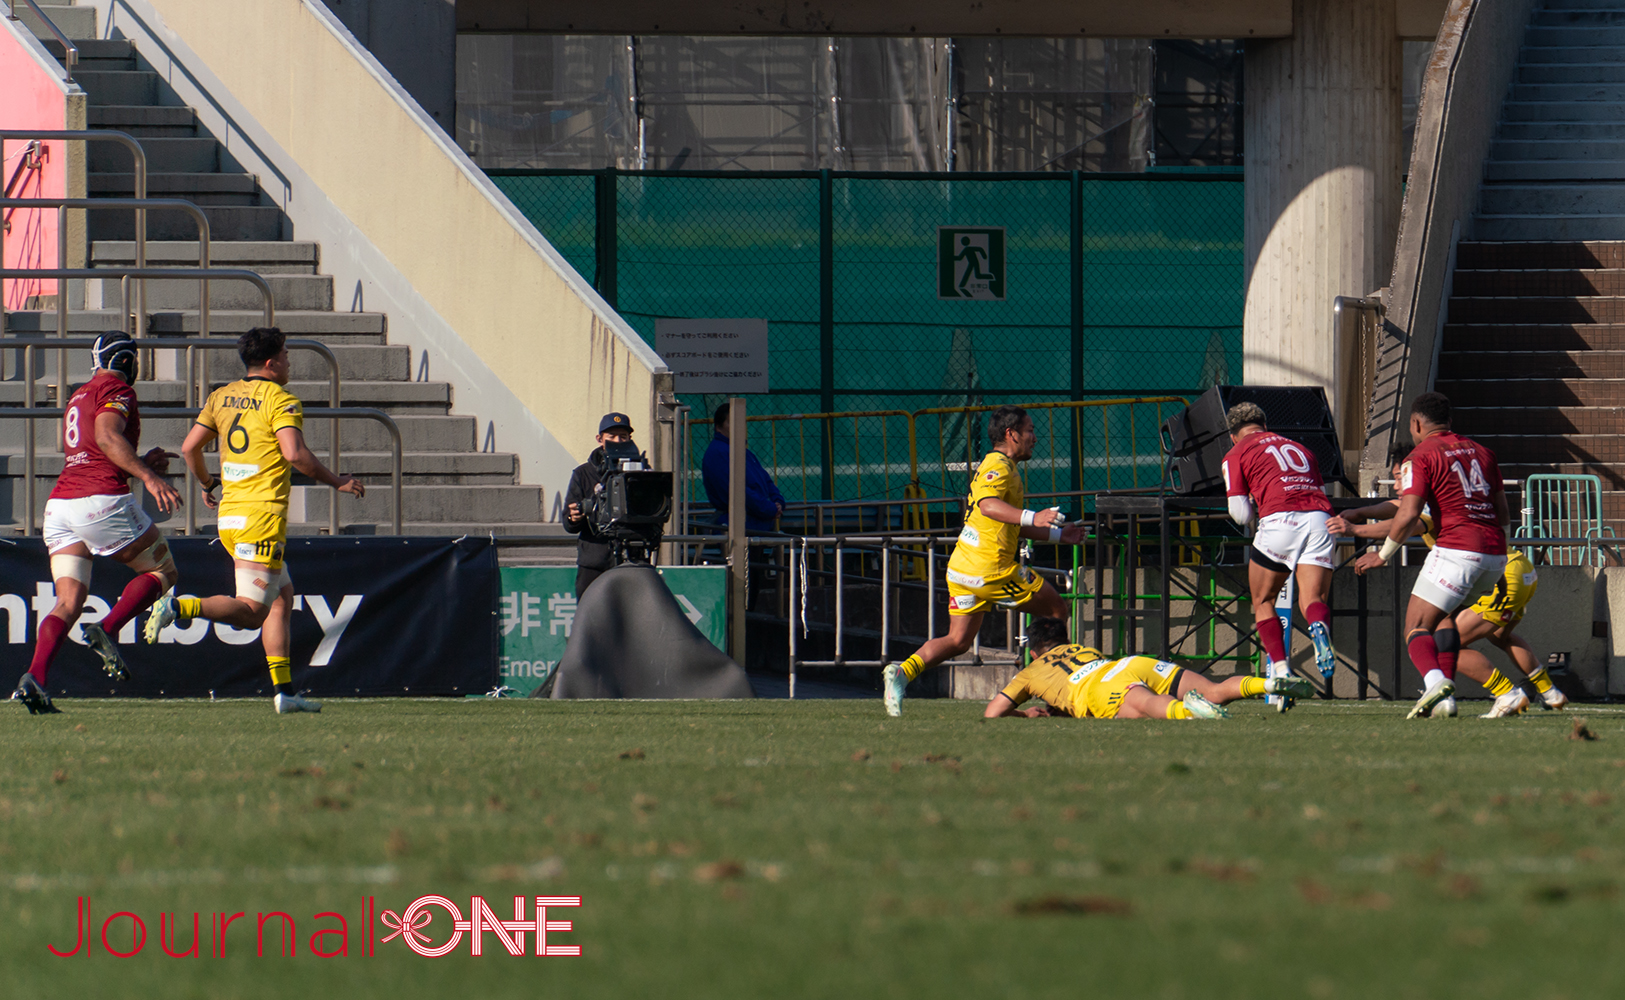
(1431, 697)
(1273, 671)
(894, 682)
(160, 617)
(1292, 687)
(1325, 657)
(34, 697)
(1554, 698)
(104, 647)
(1508, 705)
(1201, 708)
(286, 703)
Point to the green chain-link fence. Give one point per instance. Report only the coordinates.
(1116, 286)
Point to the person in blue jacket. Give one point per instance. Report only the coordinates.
(763, 502)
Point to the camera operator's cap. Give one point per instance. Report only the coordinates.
(615, 422)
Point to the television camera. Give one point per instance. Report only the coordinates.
(630, 505)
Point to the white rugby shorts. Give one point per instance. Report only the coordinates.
(104, 523)
(1295, 537)
(1450, 576)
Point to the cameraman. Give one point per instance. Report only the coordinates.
(592, 551)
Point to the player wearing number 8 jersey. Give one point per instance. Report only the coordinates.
(91, 511)
(260, 427)
(1278, 480)
(1460, 480)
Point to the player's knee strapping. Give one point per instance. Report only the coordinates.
(70, 567)
(157, 560)
(1448, 643)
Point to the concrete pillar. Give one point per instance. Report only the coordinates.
(1323, 133)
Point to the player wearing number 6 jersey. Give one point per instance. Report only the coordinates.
(1461, 481)
(91, 511)
(1278, 480)
(260, 427)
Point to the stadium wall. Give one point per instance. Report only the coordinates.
(408, 224)
(34, 97)
(1471, 67)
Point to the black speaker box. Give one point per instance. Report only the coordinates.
(1197, 439)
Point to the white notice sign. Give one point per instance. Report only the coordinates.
(714, 355)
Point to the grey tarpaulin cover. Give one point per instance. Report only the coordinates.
(631, 640)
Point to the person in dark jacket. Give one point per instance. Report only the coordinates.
(592, 550)
(763, 501)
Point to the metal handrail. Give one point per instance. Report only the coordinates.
(139, 156)
(70, 50)
(176, 413)
(188, 344)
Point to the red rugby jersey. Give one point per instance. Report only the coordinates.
(1458, 478)
(1277, 472)
(87, 472)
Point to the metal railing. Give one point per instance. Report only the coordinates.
(196, 382)
(139, 170)
(191, 412)
(70, 50)
(1356, 325)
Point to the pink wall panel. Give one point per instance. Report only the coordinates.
(30, 98)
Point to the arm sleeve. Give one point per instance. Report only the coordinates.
(120, 402)
(1017, 690)
(572, 494)
(1235, 480)
(207, 417)
(1241, 509)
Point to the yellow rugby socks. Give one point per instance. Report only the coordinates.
(1541, 680)
(1252, 687)
(188, 607)
(281, 670)
(1177, 710)
(913, 667)
(1498, 684)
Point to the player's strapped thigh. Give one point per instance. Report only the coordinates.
(155, 558)
(261, 584)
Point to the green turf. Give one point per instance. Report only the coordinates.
(818, 849)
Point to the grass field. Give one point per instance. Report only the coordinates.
(818, 849)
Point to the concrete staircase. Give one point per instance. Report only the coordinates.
(1534, 345)
(450, 486)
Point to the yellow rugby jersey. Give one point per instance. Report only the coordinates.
(987, 549)
(247, 414)
(1058, 677)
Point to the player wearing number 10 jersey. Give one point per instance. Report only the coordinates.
(91, 511)
(260, 427)
(1279, 480)
(1461, 481)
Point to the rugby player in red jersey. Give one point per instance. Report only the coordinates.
(91, 510)
(1278, 480)
(1460, 480)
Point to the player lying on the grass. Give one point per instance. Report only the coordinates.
(1082, 682)
(260, 427)
(983, 571)
(91, 510)
(1493, 616)
(1460, 480)
(1278, 480)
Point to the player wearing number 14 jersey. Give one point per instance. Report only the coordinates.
(1279, 480)
(1461, 481)
(260, 427)
(91, 511)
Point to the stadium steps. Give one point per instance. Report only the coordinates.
(1533, 352)
(450, 485)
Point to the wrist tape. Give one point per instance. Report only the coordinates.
(1389, 547)
(1027, 518)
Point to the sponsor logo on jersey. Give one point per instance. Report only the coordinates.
(243, 550)
(1405, 477)
(233, 522)
(964, 580)
(233, 472)
(964, 601)
(970, 536)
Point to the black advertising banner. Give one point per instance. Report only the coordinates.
(372, 616)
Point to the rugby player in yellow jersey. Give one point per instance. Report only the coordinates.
(261, 430)
(1493, 616)
(983, 570)
(1085, 684)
